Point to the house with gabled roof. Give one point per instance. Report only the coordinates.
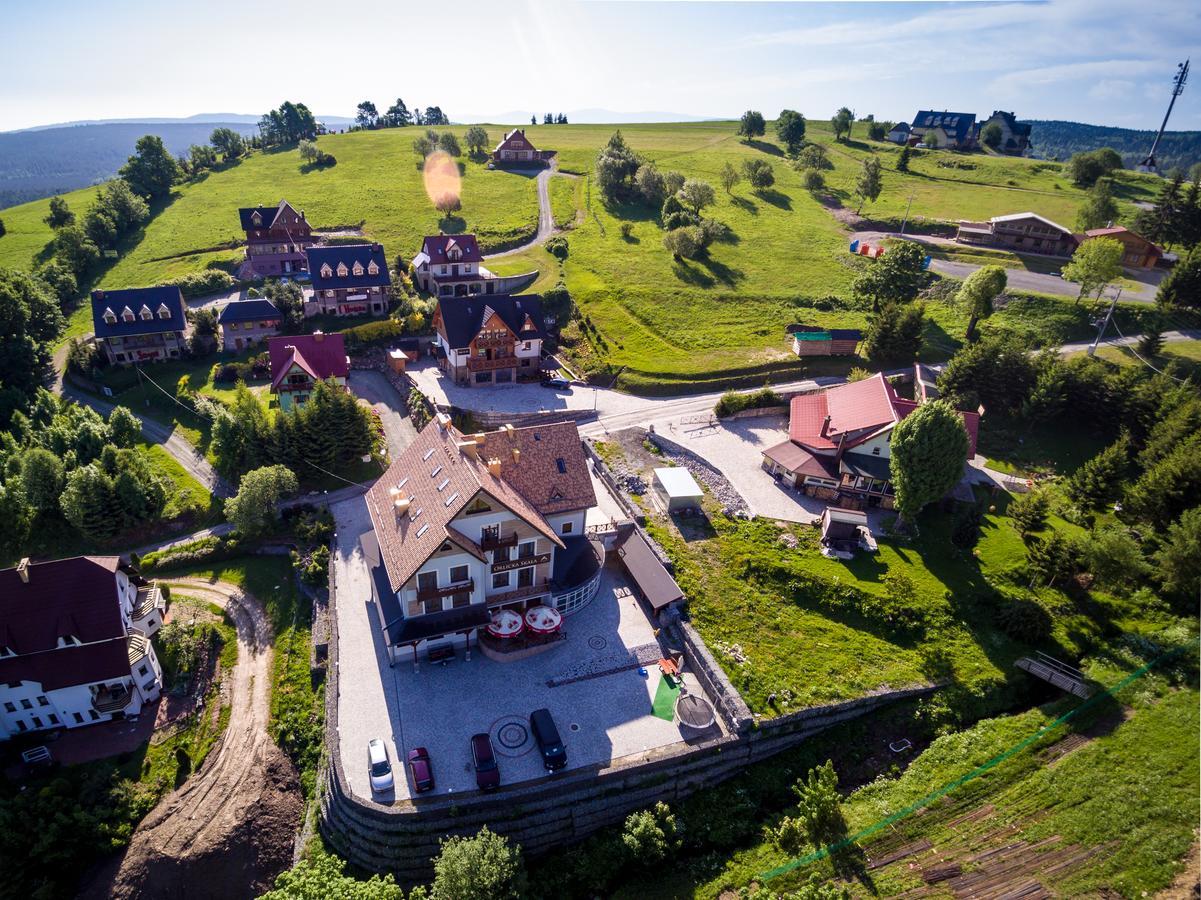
(944, 130)
(349, 280)
(489, 340)
(276, 238)
(138, 325)
(246, 323)
(810, 341)
(299, 361)
(75, 643)
(451, 265)
(838, 442)
(517, 149)
(1137, 251)
(468, 524)
(1015, 135)
(1024, 232)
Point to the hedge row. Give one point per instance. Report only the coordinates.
(201, 550)
(733, 402)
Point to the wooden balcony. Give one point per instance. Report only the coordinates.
(495, 543)
(458, 588)
(480, 364)
(105, 701)
(505, 340)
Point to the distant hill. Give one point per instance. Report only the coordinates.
(1059, 140)
(582, 117)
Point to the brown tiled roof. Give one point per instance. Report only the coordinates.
(64, 597)
(439, 480)
(796, 458)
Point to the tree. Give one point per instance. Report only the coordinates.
(124, 427)
(759, 174)
(928, 448)
(228, 143)
(1029, 512)
(651, 184)
(673, 181)
(686, 242)
(1150, 343)
(322, 876)
(3, 230)
(894, 333)
(398, 115)
(878, 131)
(1096, 263)
(448, 203)
(895, 277)
(152, 169)
(978, 293)
(288, 298)
(126, 208)
(651, 836)
(1100, 209)
(60, 213)
(1162, 222)
(448, 143)
(252, 509)
(309, 151)
(533, 120)
(1085, 168)
(482, 867)
(476, 139)
(15, 515)
(201, 157)
(813, 181)
(729, 177)
(435, 116)
(1101, 478)
(790, 129)
(1115, 558)
(89, 502)
(842, 123)
(995, 371)
(615, 167)
(1179, 563)
(30, 322)
(751, 125)
(697, 194)
(991, 135)
(1169, 486)
(903, 159)
(423, 146)
(1051, 559)
(366, 115)
(61, 280)
(819, 808)
(813, 156)
(1182, 288)
(867, 188)
(41, 479)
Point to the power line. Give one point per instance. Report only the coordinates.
(1134, 353)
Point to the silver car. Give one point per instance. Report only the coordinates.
(379, 766)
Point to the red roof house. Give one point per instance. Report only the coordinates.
(838, 442)
(299, 361)
(515, 147)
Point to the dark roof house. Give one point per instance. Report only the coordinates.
(441, 248)
(959, 127)
(462, 317)
(348, 266)
(254, 218)
(255, 309)
(134, 311)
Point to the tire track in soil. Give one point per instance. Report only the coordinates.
(228, 830)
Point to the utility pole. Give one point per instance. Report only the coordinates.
(1092, 348)
(905, 220)
(1149, 164)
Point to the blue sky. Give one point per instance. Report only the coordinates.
(1102, 61)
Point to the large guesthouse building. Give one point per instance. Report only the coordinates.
(75, 643)
(489, 340)
(467, 524)
(138, 325)
(276, 239)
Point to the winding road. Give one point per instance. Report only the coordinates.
(546, 217)
(234, 819)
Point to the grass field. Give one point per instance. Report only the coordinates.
(669, 326)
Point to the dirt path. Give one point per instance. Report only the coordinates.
(229, 830)
(546, 219)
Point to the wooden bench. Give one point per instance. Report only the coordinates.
(442, 654)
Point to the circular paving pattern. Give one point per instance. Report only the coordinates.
(596, 642)
(511, 736)
(574, 727)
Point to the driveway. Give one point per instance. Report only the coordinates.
(377, 390)
(546, 219)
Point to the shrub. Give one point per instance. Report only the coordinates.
(370, 333)
(190, 553)
(208, 281)
(557, 247)
(627, 230)
(1023, 619)
(485, 866)
(713, 231)
(814, 181)
(651, 835)
(686, 242)
(1029, 512)
(681, 219)
(733, 401)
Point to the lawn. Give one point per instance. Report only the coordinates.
(566, 198)
(1184, 355)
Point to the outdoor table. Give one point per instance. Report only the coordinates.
(505, 624)
(543, 619)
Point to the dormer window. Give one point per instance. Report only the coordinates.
(342, 270)
(163, 312)
(127, 315)
(454, 253)
(110, 316)
(358, 268)
(372, 268)
(145, 312)
(326, 271)
(256, 219)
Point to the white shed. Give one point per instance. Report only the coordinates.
(677, 489)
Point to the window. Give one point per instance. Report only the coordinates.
(358, 268)
(525, 549)
(458, 574)
(567, 527)
(427, 581)
(501, 554)
(8, 707)
(42, 701)
(145, 313)
(37, 723)
(875, 451)
(163, 312)
(25, 704)
(326, 271)
(478, 505)
(500, 580)
(342, 270)
(460, 600)
(21, 726)
(372, 268)
(525, 577)
(142, 670)
(127, 314)
(53, 719)
(93, 715)
(148, 686)
(432, 605)
(110, 316)
(78, 718)
(561, 465)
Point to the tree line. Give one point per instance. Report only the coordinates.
(398, 115)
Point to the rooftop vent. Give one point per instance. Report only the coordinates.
(23, 569)
(516, 456)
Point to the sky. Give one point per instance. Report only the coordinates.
(1098, 61)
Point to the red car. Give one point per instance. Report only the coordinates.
(421, 769)
(487, 773)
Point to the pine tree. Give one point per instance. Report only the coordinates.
(1100, 479)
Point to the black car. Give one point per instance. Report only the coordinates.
(554, 754)
(555, 383)
(487, 773)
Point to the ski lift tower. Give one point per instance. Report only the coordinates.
(1149, 164)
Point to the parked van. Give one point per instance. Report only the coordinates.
(554, 754)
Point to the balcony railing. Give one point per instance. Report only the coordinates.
(480, 364)
(107, 701)
(490, 542)
(457, 588)
(148, 600)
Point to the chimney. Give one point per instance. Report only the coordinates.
(508, 429)
(302, 218)
(23, 569)
(494, 467)
(516, 456)
(401, 505)
(318, 336)
(825, 426)
(443, 421)
(469, 448)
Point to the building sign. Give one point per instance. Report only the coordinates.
(521, 562)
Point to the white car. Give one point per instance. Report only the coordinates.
(379, 766)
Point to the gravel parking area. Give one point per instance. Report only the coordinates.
(602, 706)
(735, 447)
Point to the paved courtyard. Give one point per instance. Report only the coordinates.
(603, 708)
(734, 447)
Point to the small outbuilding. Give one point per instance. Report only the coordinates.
(677, 489)
(844, 531)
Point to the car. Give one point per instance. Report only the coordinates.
(379, 766)
(556, 383)
(421, 769)
(554, 754)
(487, 772)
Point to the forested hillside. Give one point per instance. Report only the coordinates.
(1059, 140)
(35, 164)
